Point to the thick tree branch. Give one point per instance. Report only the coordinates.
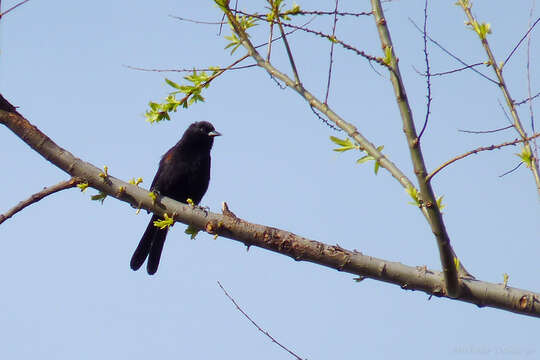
(429, 204)
(276, 240)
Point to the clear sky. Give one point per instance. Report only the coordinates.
(67, 291)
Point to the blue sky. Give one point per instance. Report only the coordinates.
(67, 289)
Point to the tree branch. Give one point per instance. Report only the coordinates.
(315, 103)
(449, 53)
(256, 325)
(275, 9)
(13, 8)
(297, 247)
(331, 62)
(333, 39)
(428, 199)
(498, 69)
(484, 148)
(428, 71)
(486, 131)
(63, 185)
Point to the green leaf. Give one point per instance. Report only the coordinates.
(339, 141)
(481, 29)
(440, 204)
(377, 165)
(295, 9)
(191, 231)
(99, 197)
(234, 43)
(388, 55)
(364, 159)
(172, 83)
(222, 4)
(413, 193)
(154, 106)
(526, 156)
(346, 144)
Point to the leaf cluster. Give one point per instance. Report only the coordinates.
(278, 9)
(347, 144)
(196, 82)
(245, 23)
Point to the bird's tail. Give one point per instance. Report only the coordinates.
(150, 247)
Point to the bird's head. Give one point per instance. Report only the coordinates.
(200, 133)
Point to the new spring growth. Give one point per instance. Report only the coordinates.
(99, 197)
(104, 175)
(165, 223)
(153, 196)
(82, 186)
(526, 156)
(136, 182)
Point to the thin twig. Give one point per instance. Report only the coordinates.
(325, 121)
(187, 70)
(520, 41)
(218, 69)
(215, 75)
(270, 42)
(255, 324)
(331, 54)
(63, 185)
(454, 56)
(197, 21)
(13, 8)
(484, 148)
(375, 70)
(365, 55)
(282, 87)
(529, 91)
(518, 125)
(428, 72)
(350, 129)
(512, 170)
(286, 43)
(505, 113)
(456, 70)
(363, 13)
(530, 98)
(485, 131)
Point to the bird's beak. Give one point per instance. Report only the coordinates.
(214, 133)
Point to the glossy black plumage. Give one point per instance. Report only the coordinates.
(183, 173)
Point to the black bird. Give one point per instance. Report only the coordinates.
(183, 173)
